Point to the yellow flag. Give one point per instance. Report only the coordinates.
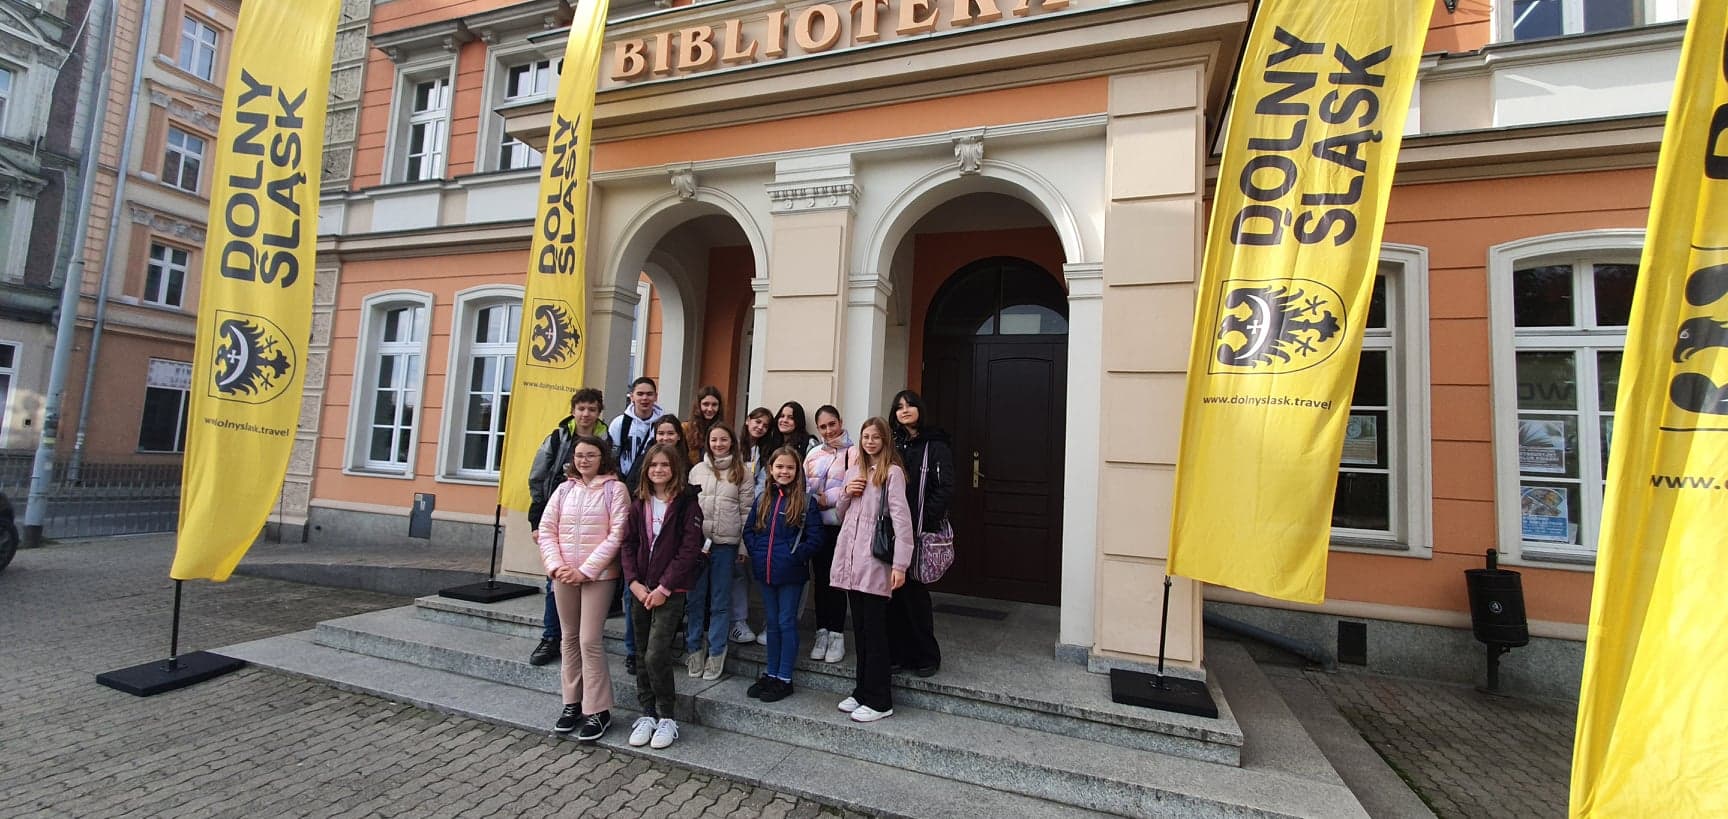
(255, 307)
(1310, 146)
(552, 344)
(1653, 711)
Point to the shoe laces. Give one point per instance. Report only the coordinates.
(573, 710)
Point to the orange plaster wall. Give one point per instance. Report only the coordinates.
(374, 127)
(1061, 99)
(443, 277)
(1467, 29)
(936, 256)
(730, 270)
(401, 14)
(1458, 222)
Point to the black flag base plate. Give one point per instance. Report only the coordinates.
(161, 676)
(488, 592)
(1165, 693)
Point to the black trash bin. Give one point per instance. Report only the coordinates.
(1497, 612)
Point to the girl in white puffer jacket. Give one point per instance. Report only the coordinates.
(578, 538)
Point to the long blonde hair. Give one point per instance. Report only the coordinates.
(675, 459)
(877, 468)
(800, 494)
(733, 472)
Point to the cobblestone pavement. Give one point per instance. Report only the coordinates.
(258, 743)
(1467, 754)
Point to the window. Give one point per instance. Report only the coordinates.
(484, 363)
(183, 160)
(1381, 499)
(1536, 19)
(8, 371)
(522, 82)
(392, 399)
(165, 278)
(428, 114)
(166, 387)
(197, 49)
(5, 94)
(1567, 312)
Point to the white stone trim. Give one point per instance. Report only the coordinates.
(1082, 447)
(1610, 244)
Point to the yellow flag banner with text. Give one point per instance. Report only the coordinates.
(1291, 253)
(551, 344)
(1653, 708)
(255, 298)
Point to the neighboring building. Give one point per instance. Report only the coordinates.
(1002, 203)
(44, 114)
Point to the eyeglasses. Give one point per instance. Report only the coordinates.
(589, 456)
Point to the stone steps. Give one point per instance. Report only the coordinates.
(1066, 700)
(1030, 763)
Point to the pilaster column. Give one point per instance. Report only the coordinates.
(866, 338)
(611, 328)
(1075, 630)
(812, 199)
(1152, 240)
(758, 347)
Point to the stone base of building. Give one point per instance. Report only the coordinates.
(1547, 667)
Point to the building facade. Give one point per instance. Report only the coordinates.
(45, 104)
(1002, 203)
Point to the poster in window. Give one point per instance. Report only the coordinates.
(1362, 441)
(1543, 514)
(1541, 446)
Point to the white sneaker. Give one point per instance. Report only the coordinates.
(865, 713)
(693, 663)
(642, 731)
(836, 647)
(741, 632)
(820, 650)
(664, 733)
(849, 705)
(762, 637)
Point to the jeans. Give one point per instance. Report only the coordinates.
(780, 605)
(549, 620)
(830, 602)
(654, 682)
(709, 602)
(629, 620)
(741, 595)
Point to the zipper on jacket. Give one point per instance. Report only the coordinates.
(772, 524)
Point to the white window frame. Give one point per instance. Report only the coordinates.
(372, 311)
(533, 158)
(180, 420)
(468, 305)
(180, 154)
(8, 90)
(492, 136)
(403, 118)
(10, 373)
(1408, 413)
(185, 59)
(1572, 17)
(167, 267)
(1607, 246)
(639, 329)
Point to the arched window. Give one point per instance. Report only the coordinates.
(389, 371)
(482, 367)
(1001, 296)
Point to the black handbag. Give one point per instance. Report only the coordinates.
(882, 543)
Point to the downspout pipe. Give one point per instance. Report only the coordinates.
(139, 62)
(66, 320)
(1270, 638)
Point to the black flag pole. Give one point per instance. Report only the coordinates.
(1181, 695)
(491, 590)
(176, 672)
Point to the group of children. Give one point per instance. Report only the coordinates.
(671, 509)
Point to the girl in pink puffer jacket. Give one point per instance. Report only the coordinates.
(578, 538)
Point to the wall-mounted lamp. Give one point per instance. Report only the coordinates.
(1452, 6)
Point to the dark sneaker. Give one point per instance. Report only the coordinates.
(546, 652)
(756, 688)
(595, 726)
(567, 720)
(630, 664)
(776, 691)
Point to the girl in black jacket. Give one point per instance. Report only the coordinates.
(929, 485)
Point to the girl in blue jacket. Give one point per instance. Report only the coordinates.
(784, 529)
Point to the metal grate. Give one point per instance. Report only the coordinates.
(107, 498)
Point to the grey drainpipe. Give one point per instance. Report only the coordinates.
(114, 220)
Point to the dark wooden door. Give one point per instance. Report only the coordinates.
(1002, 399)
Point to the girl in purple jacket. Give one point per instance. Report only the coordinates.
(875, 479)
(661, 554)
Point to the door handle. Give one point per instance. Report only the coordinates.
(977, 470)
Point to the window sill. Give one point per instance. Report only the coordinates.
(1371, 546)
(1539, 556)
(467, 480)
(364, 472)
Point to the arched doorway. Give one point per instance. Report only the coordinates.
(996, 373)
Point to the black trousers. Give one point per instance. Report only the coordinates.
(912, 628)
(870, 642)
(830, 602)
